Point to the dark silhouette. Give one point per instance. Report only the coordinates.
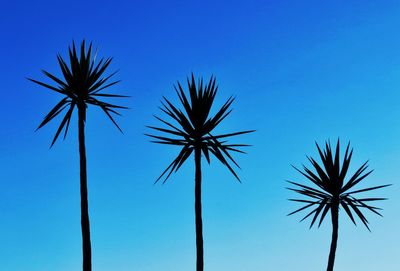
(332, 192)
(81, 87)
(193, 134)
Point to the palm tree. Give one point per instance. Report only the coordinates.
(193, 133)
(332, 191)
(81, 86)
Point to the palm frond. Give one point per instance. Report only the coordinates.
(332, 191)
(83, 79)
(191, 127)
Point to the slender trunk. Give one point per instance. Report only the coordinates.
(335, 229)
(86, 246)
(197, 207)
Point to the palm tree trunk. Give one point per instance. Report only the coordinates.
(335, 229)
(86, 246)
(197, 207)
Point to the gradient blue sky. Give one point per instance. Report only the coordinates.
(301, 71)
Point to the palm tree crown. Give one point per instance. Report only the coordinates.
(196, 126)
(332, 189)
(81, 87)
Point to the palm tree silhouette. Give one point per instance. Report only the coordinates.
(81, 86)
(332, 192)
(193, 133)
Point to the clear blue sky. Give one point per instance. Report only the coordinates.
(301, 71)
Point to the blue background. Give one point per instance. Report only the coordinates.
(301, 71)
